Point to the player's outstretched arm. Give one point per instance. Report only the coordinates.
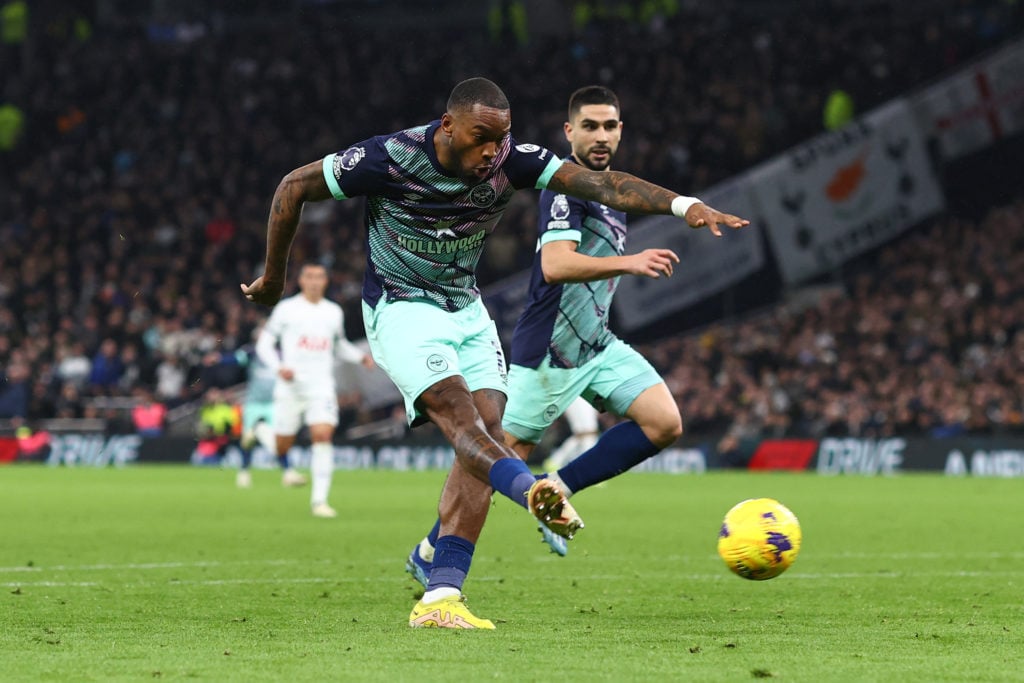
(305, 184)
(628, 193)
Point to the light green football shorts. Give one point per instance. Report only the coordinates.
(255, 411)
(610, 381)
(417, 343)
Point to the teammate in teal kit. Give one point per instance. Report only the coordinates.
(434, 193)
(257, 414)
(562, 347)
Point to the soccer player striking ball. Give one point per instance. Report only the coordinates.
(434, 194)
(561, 347)
(309, 330)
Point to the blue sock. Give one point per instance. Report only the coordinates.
(246, 458)
(282, 460)
(452, 557)
(620, 448)
(511, 477)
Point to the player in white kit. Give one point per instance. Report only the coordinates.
(302, 341)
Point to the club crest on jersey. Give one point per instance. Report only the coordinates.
(348, 159)
(560, 207)
(527, 148)
(482, 195)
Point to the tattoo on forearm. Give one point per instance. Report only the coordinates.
(284, 220)
(619, 190)
(640, 195)
(305, 184)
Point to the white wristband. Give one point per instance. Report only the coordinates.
(681, 204)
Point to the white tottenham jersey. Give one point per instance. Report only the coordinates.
(307, 338)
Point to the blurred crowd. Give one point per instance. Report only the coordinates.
(135, 198)
(927, 338)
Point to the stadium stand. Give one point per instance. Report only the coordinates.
(932, 347)
(134, 201)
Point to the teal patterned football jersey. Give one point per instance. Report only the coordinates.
(426, 227)
(566, 325)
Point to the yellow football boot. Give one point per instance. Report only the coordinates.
(446, 613)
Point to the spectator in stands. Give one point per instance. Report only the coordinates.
(737, 446)
(15, 391)
(170, 380)
(148, 415)
(220, 229)
(69, 403)
(106, 367)
(131, 369)
(74, 366)
(219, 427)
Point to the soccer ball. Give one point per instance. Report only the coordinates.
(759, 539)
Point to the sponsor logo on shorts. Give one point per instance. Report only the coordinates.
(551, 412)
(437, 363)
(482, 195)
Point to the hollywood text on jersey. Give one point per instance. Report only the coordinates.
(428, 246)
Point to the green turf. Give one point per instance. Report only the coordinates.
(171, 573)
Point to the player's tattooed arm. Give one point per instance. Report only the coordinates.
(616, 189)
(628, 193)
(305, 184)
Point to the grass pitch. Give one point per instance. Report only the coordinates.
(171, 573)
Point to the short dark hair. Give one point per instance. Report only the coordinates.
(592, 94)
(476, 91)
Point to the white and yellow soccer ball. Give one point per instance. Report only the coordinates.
(759, 539)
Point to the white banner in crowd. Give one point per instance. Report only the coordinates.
(842, 193)
(708, 264)
(953, 114)
(1005, 73)
(975, 106)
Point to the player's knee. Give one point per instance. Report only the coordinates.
(321, 433)
(450, 404)
(445, 394)
(666, 430)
